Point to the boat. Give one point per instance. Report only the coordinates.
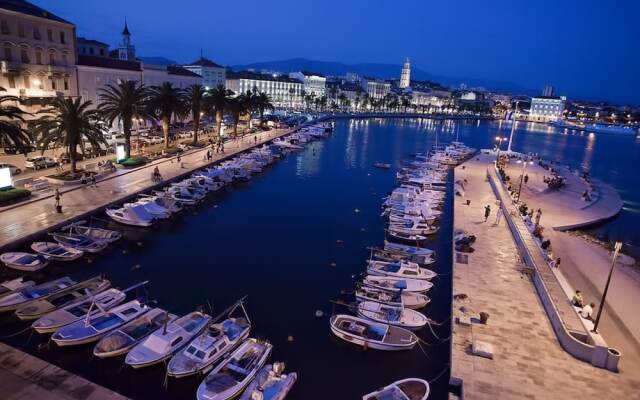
(397, 284)
(122, 340)
(405, 237)
(101, 234)
(165, 201)
(611, 128)
(392, 315)
(93, 327)
(131, 214)
(381, 165)
(271, 383)
(208, 348)
(229, 378)
(369, 334)
(405, 389)
(77, 293)
(13, 285)
(71, 313)
(56, 251)
(399, 299)
(153, 208)
(24, 261)
(400, 269)
(80, 242)
(390, 256)
(26, 295)
(165, 342)
(408, 250)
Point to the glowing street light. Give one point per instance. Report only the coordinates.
(524, 166)
(499, 139)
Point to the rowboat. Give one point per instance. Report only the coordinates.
(392, 315)
(397, 299)
(400, 269)
(369, 334)
(80, 242)
(408, 250)
(8, 287)
(24, 261)
(26, 295)
(405, 389)
(271, 383)
(397, 284)
(56, 251)
(100, 234)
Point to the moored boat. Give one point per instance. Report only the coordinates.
(392, 315)
(369, 334)
(398, 299)
(26, 295)
(405, 389)
(21, 261)
(397, 284)
(271, 383)
(80, 242)
(400, 269)
(56, 251)
(8, 287)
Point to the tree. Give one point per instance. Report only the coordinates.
(196, 98)
(69, 123)
(239, 105)
(219, 97)
(166, 102)
(342, 99)
(124, 101)
(406, 102)
(262, 102)
(11, 118)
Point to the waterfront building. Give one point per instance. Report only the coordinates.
(376, 88)
(90, 47)
(313, 82)
(546, 108)
(352, 77)
(126, 51)
(38, 56)
(405, 75)
(283, 90)
(212, 74)
(95, 72)
(429, 99)
(469, 96)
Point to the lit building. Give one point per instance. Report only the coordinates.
(313, 82)
(429, 99)
(469, 96)
(283, 91)
(212, 74)
(405, 75)
(546, 109)
(375, 88)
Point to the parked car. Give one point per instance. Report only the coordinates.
(39, 162)
(12, 168)
(64, 157)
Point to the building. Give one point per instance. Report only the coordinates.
(38, 56)
(469, 96)
(90, 47)
(375, 88)
(337, 89)
(283, 91)
(548, 91)
(405, 75)
(547, 108)
(430, 99)
(212, 74)
(126, 51)
(313, 82)
(95, 72)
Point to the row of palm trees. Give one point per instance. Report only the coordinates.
(70, 122)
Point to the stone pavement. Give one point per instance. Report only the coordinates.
(528, 362)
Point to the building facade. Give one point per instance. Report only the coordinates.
(213, 75)
(405, 75)
(90, 47)
(546, 109)
(375, 88)
(312, 82)
(283, 91)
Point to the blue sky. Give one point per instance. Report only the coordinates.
(586, 49)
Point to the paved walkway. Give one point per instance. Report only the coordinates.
(30, 219)
(528, 362)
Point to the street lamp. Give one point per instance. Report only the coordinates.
(524, 166)
(499, 139)
(616, 253)
(513, 126)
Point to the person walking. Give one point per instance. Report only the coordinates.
(57, 197)
(255, 139)
(487, 212)
(498, 216)
(538, 216)
(92, 178)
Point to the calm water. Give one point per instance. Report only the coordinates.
(274, 239)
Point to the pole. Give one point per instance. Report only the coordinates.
(616, 252)
(524, 165)
(513, 126)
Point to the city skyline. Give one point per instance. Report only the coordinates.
(515, 44)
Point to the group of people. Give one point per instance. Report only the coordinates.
(586, 310)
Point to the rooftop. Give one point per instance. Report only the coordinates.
(91, 41)
(24, 7)
(204, 62)
(107, 62)
(177, 70)
(260, 77)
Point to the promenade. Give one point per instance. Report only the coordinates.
(528, 361)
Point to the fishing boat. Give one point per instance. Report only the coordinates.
(208, 348)
(77, 293)
(408, 250)
(390, 256)
(401, 269)
(397, 284)
(26, 295)
(80, 242)
(8, 287)
(398, 299)
(369, 334)
(101, 234)
(122, 340)
(392, 315)
(405, 389)
(405, 237)
(165, 342)
(71, 313)
(229, 378)
(131, 214)
(271, 383)
(24, 261)
(93, 327)
(56, 251)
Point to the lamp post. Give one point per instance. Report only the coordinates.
(499, 139)
(524, 166)
(513, 126)
(616, 253)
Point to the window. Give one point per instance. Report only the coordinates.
(50, 35)
(4, 27)
(38, 56)
(21, 29)
(52, 57)
(64, 58)
(7, 53)
(36, 33)
(62, 38)
(102, 52)
(53, 83)
(27, 82)
(12, 81)
(24, 55)
(66, 83)
(91, 50)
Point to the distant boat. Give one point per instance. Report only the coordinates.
(405, 389)
(615, 129)
(381, 165)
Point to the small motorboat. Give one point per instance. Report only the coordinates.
(93, 327)
(164, 200)
(270, 383)
(400, 269)
(125, 338)
(381, 165)
(8, 287)
(101, 234)
(390, 256)
(131, 214)
(63, 298)
(26, 295)
(208, 348)
(229, 378)
(397, 284)
(392, 315)
(405, 389)
(398, 299)
(402, 236)
(408, 250)
(155, 210)
(56, 251)
(80, 242)
(165, 342)
(71, 313)
(369, 334)
(24, 261)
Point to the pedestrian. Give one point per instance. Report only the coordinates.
(577, 299)
(57, 197)
(587, 311)
(93, 180)
(487, 212)
(222, 146)
(538, 215)
(498, 216)
(526, 179)
(555, 263)
(179, 159)
(255, 139)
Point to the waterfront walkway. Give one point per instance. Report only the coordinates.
(528, 362)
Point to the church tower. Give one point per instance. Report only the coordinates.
(405, 76)
(126, 51)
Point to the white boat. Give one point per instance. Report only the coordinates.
(184, 195)
(122, 340)
(208, 348)
(153, 208)
(397, 284)
(56, 251)
(369, 334)
(401, 269)
(131, 214)
(26, 295)
(71, 313)
(398, 299)
(271, 383)
(101, 234)
(408, 250)
(404, 236)
(165, 201)
(83, 290)
(13, 285)
(229, 378)
(414, 228)
(165, 342)
(24, 261)
(392, 315)
(405, 389)
(93, 327)
(80, 242)
(390, 256)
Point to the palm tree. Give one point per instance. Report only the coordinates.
(239, 105)
(166, 102)
(342, 99)
(262, 102)
(219, 97)
(11, 117)
(406, 102)
(196, 98)
(124, 101)
(69, 122)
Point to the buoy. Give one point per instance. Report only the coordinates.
(319, 313)
(357, 210)
(290, 339)
(215, 206)
(333, 263)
